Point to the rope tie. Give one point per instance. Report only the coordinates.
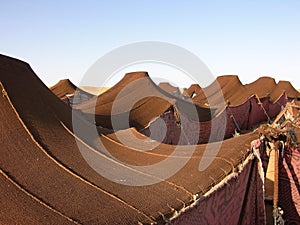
(261, 105)
(234, 120)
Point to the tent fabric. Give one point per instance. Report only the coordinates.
(130, 97)
(138, 98)
(40, 112)
(194, 90)
(246, 112)
(286, 88)
(34, 170)
(226, 95)
(69, 93)
(242, 192)
(225, 90)
(47, 173)
(290, 91)
(62, 88)
(276, 106)
(288, 180)
(259, 111)
(235, 93)
(289, 195)
(231, 120)
(20, 207)
(223, 126)
(66, 87)
(262, 87)
(167, 87)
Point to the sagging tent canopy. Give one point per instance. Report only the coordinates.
(138, 98)
(229, 88)
(167, 87)
(238, 108)
(193, 90)
(289, 89)
(136, 93)
(45, 177)
(225, 90)
(66, 90)
(65, 87)
(262, 87)
(267, 87)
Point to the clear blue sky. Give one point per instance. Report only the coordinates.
(63, 38)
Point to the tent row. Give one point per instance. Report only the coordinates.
(199, 115)
(51, 174)
(240, 108)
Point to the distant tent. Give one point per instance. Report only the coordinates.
(193, 90)
(167, 87)
(262, 87)
(238, 107)
(290, 91)
(138, 98)
(69, 93)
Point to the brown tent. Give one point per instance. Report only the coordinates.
(49, 174)
(225, 90)
(290, 91)
(193, 90)
(69, 93)
(262, 87)
(138, 98)
(167, 87)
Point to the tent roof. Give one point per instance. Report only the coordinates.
(225, 89)
(66, 87)
(136, 96)
(262, 87)
(47, 168)
(167, 87)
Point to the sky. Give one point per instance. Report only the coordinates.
(62, 39)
